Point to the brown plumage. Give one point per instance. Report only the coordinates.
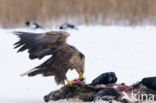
(64, 56)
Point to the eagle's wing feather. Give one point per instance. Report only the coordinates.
(40, 44)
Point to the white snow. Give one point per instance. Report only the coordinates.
(130, 52)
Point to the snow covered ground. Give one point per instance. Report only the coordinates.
(128, 51)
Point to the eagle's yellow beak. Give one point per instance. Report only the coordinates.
(80, 76)
(68, 82)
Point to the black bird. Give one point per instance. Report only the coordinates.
(149, 82)
(105, 78)
(33, 25)
(68, 26)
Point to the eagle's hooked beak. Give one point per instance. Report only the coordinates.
(80, 76)
(73, 81)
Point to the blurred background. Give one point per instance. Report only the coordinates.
(13, 13)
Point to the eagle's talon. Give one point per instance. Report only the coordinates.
(70, 82)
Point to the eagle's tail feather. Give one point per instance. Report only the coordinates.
(35, 71)
(32, 72)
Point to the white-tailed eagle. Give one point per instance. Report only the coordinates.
(63, 56)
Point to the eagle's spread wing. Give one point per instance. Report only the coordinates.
(40, 44)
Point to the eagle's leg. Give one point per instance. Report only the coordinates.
(70, 82)
(80, 75)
